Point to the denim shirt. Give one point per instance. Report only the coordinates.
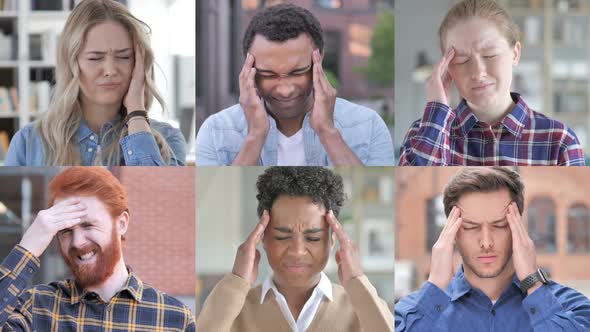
(551, 307)
(139, 149)
(221, 136)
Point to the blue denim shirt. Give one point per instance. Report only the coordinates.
(222, 134)
(550, 308)
(139, 149)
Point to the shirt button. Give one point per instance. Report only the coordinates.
(493, 312)
(89, 149)
(4, 299)
(30, 270)
(129, 152)
(533, 311)
(92, 137)
(439, 308)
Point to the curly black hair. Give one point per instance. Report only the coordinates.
(320, 184)
(283, 22)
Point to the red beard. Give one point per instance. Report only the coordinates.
(88, 275)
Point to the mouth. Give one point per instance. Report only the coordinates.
(112, 85)
(482, 87)
(87, 257)
(286, 101)
(297, 268)
(487, 258)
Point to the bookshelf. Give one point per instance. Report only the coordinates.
(554, 71)
(28, 36)
(367, 217)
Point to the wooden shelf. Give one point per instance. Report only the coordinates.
(8, 14)
(8, 115)
(8, 64)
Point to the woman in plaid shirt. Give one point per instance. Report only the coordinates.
(491, 125)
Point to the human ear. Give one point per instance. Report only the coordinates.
(516, 51)
(122, 223)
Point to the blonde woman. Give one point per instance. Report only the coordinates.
(491, 125)
(104, 87)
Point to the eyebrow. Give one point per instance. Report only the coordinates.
(489, 222)
(307, 231)
(266, 71)
(103, 52)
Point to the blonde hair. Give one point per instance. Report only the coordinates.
(486, 9)
(58, 127)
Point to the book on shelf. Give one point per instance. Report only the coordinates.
(5, 102)
(4, 143)
(47, 5)
(8, 5)
(39, 97)
(42, 46)
(5, 46)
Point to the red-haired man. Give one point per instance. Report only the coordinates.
(89, 216)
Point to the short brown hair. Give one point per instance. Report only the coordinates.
(483, 179)
(486, 9)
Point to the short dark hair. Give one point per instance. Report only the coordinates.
(320, 184)
(483, 179)
(283, 22)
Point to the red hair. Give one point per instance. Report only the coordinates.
(90, 181)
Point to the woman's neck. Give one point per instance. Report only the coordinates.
(97, 115)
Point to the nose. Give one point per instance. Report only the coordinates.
(297, 247)
(78, 238)
(285, 88)
(478, 68)
(109, 66)
(487, 240)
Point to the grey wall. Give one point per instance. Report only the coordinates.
(416, 30)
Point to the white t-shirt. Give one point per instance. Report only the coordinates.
(310, 308)
(290, 150)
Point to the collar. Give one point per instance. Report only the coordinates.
(324, 287)
(459, 286)
(514, 121)
(133, 286)
(84, 131)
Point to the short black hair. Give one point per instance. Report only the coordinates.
(320, 184)
(283, 22)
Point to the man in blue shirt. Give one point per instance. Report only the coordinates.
(288, 113)
(499, 286)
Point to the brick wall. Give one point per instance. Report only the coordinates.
(415, 186)
(161, 237)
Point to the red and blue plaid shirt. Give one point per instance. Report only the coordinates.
(456, 137)
(65, 306)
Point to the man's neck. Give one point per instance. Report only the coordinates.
(290, 127)
(97, 115)
(297, 296)
(113, 284)
(491, 287)
(493, 114)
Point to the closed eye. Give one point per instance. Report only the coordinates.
(490, 56)
(282, 238)
(470, 228)
(313, 239)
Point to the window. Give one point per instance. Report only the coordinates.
(578, 229)
(330, 4)
(436, 220)
(541, 224)
(332, 53)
